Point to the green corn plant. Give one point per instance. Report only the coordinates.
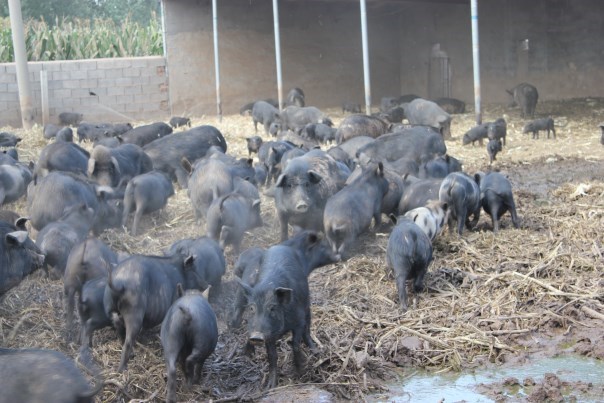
(71, 39)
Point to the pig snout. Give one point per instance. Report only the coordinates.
(302, 206)
(256, 337)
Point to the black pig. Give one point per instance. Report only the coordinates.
(167, 152)
(462, 194)
(497, 130)
(295, 97)
(36, 375)
(253, 144)
(65, 134)
(526, 96)
(477, 133)
(360, 125)
(427, 113)
(451, 105)
(493, 147)
(536, 125)
(210, 264)
(178, 121)
(140, 291)
(88, 260)
(281, 304)
(143, 135)
(409, 254)
(58, 238)
(145, 194)
(110, 166)
(348, 213)
(229, 216)
(61, 156)
(70, 118)
(303, 188)
(91, 309)
(189, 334)
(265, 113)
(496, 197)
(19, 256)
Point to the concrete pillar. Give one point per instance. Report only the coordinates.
(25, 94)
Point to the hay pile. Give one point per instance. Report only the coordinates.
(486, 296)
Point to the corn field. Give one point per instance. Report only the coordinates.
(71, 39)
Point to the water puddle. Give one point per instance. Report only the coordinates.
(462, 387)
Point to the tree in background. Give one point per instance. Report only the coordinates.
(141, 11)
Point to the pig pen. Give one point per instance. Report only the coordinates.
(489, 299)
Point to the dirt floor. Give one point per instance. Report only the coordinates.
(490, 299)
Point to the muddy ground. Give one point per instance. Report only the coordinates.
(490, 299)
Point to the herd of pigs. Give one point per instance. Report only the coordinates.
(378, 166)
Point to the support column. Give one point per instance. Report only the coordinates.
(25, 94)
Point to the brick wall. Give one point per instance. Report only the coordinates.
(125, 89)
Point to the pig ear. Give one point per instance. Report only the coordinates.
(189, 261)
(16, 238)
(91, 164)
(206, 292)
(284, 295)
(246, 288)
(256, 203)
(179, 290)
(186, 164)
(314, 177)
(116, 166)
(20, 223)
(281, 181)
(313, 238)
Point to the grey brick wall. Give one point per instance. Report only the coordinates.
(126, 89)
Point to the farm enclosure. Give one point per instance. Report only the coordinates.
(490, 299)
(553, 44)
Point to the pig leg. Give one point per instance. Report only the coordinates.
(450, 222)
(511, 206)
(494, 216)
(306, 335)
(377, 217)
(283, 221)
(137, 219)
(133, 327)
(182, 177)
(215, 292)
(69, 307)
(475, 217)
(461, 219)
(237, 313)
(86, 335)
(271, 353)
(171, 387)
(401, 284)
(193, 366)
(296, 339)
